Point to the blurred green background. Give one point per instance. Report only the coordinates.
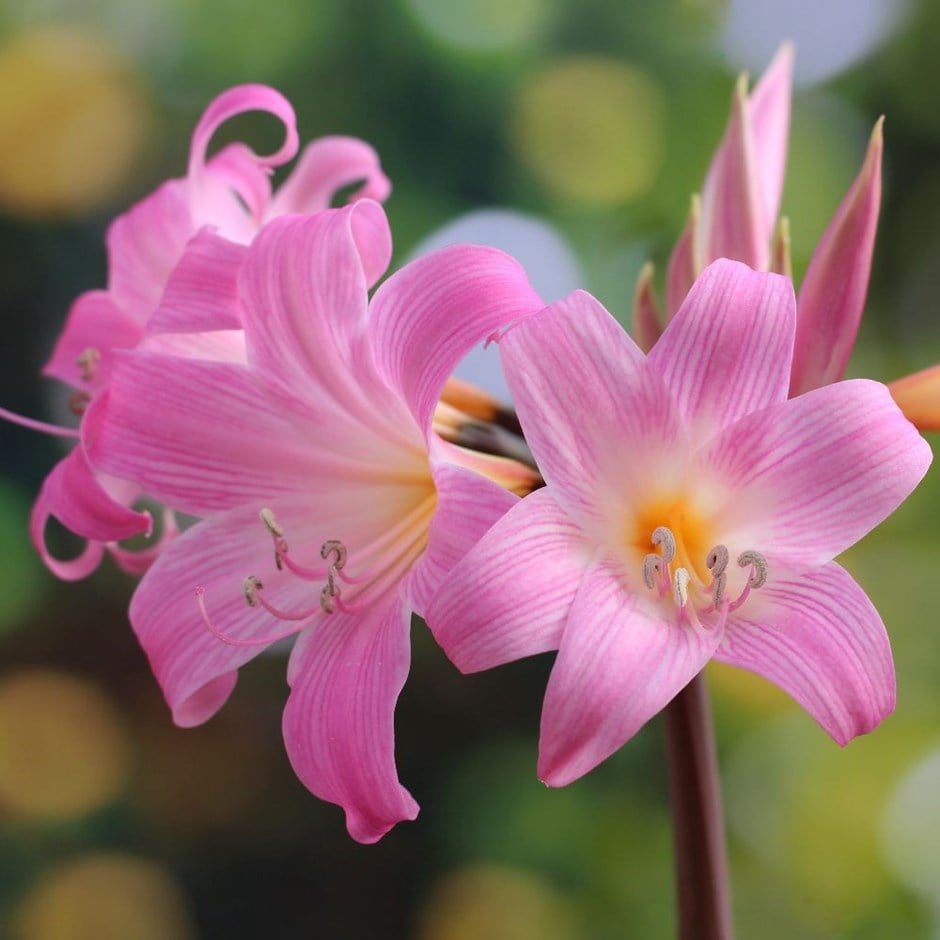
(592, 122)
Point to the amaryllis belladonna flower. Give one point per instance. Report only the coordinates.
(331, 505)
(225, 198)
(691, 511)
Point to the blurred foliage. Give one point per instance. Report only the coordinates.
(598, 118)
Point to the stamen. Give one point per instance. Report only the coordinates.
(716, 563)
(78, 402)
(652, 568)
(336, 548)
(756, 579)
(328, 598)
(759, 568)
(664, 538)
(251, 585)
(680, 586)
(42, 426)
(235, 641)
(277, 534)
(87, 362)
(270, 523)
(330, 595)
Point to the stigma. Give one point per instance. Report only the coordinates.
(704, 603)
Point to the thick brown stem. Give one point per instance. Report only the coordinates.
(698, 830)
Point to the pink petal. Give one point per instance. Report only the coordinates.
(510, 596)
(918, 396)
(595, 416)
(832, 295)
(74, 494)
(769, 113)
(646, 321)
(199, 436)
(196, 669)
(732, 220)
(618, 666)
(137, 561)
(807, 479)
(431, 313)
(94, 322)
(143, 246)
(339, 723)
(234, 193)
(820, 639)
(326, 166)
(305, 294)
(202, 291)
(727, 351)
(238, 169)
(68, 570)
(685, 262)
(216, 345)
(467, 505)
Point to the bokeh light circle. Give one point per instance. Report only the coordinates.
(591, 129)
(549, 263)
(830, 37)
(73, 121)
(496, 902)
(911, 831)
(482, 25)
(63, 749)
(105, 896)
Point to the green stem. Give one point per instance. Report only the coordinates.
(698, 833)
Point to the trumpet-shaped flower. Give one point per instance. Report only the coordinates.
(227, 197)
(691, 511)
(735, 218)
(331, 505)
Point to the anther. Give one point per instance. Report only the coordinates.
(652, 569)
(680, 586)
(716, 563)
(270, 523)
(78, 402)
(329, 596)
(251, 585)
(87, 362)
(759, 568)
(336, 548)
(664, 538)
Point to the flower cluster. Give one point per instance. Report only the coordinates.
(668, 506)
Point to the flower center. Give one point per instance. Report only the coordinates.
(679, 570)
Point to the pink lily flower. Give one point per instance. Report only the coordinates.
(228, 197)
(330, 502)
(691, 511)
(736, 217)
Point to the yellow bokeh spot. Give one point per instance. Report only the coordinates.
(63, 750)
(591, 129)
(498, 903)
(747, 691)
(73, 121)
(107, 897)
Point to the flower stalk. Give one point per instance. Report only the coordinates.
(698, 830)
